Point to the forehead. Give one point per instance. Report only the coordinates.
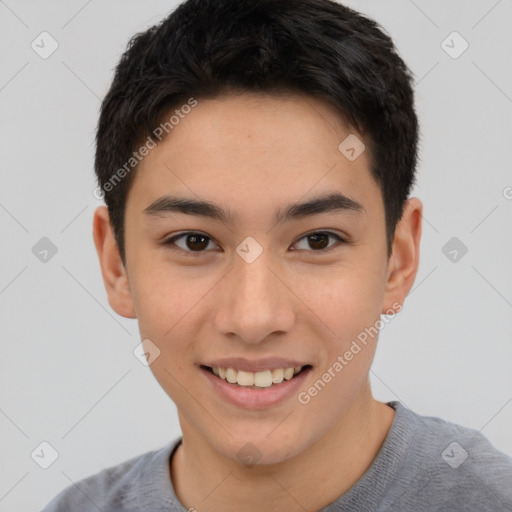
(295, 126)
(255, 150)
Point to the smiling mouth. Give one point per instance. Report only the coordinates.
(256, 380)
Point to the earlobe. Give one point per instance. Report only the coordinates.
(112, 269)
(404, 260)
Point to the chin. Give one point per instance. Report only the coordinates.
(263, 448)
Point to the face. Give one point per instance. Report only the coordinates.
(266, 287)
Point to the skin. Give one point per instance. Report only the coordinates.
(252, 154)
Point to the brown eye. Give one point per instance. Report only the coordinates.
(192, 242)
(319, 240)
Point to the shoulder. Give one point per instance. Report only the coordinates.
(113, 488)
(460, 444)
(457, 466)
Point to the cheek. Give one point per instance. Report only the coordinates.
(350, 307)
(167, 315)
(163, 298)
(172, 310)
(346, 301)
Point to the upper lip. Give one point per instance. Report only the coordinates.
(256, 365)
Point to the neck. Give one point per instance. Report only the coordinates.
(310, 481)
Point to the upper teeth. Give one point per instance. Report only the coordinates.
(262, 379)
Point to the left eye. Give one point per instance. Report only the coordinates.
(318, 239)
(197, 242)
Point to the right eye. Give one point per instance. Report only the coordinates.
(194, 242)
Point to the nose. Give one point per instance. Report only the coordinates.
(255, 301)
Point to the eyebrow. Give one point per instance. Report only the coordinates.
(333, 202)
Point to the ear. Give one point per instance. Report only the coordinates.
(114, 274)
(405, 256)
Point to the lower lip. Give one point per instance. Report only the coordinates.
(248, 398)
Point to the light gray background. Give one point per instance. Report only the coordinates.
(68, 374)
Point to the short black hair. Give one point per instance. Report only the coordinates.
(209, 48)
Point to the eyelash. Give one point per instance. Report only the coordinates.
(171, 241)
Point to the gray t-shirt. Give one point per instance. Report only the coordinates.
(425, 464)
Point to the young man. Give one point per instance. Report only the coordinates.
(256, 158)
